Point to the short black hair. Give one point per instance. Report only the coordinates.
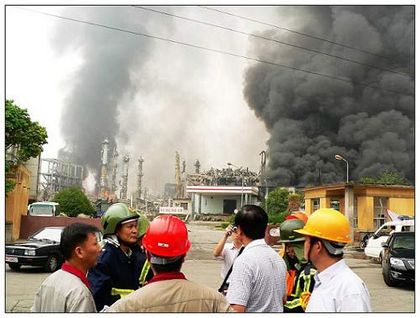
(171, 267)
(74, 235)
(253, 221)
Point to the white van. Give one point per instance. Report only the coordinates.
(374, 247)
(44, 209)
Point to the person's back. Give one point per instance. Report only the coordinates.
(264, 288)
(176, 295)
(63, 292)
(257, 282)
(166, 243)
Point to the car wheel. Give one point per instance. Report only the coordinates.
(386, 273)
(52, 263)
(14, 267)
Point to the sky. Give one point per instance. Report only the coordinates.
(175, 98)
(152, 98)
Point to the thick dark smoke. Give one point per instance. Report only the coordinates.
(104, 80)
(312, 118)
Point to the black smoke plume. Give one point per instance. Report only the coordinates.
(312, 118)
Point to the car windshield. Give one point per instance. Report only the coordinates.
(404, 242)
(53, 234)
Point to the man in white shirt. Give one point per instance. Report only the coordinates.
(258, 279)
(227, 252)
(337, 287)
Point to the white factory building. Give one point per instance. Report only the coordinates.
(220, 199)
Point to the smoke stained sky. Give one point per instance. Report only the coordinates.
(153, 98)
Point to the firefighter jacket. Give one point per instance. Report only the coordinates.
(300, 285)
(115, 275)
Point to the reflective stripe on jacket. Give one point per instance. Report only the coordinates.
(304, 284)
(144, 272)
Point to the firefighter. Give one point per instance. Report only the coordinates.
(118, 269)
(166, 243)
(146, 272)
(300, 273)
(337, 287)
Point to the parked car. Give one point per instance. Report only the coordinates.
(373, 247)
(41, 249)
(398, 258)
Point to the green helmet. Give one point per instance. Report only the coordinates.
(142, 225)
(116, 213)
(287, 234)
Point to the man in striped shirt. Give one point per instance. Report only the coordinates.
(258, 279)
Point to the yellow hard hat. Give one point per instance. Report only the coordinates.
(327, 224)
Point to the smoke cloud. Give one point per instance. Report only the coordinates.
(312, 118)
(153, 98)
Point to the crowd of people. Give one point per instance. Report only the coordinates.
(139, 267)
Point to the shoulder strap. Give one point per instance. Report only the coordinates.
(230, 269)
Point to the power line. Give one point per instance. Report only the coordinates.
(213, 50)
(272, 40)
(297, 32)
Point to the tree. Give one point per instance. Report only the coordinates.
(22, 134)
(277, 201)
(295, 201)
(386, 177)
(73, 201)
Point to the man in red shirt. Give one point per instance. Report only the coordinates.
(68, 290)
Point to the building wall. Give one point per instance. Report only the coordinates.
(365, 213)
(33, 166)
(213, 204)
(401, 206)
(401, 200)
(17, 200)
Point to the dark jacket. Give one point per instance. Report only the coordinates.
(114, 270)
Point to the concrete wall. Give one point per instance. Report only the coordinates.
(30, 224)
(33, 166)
(213, 204)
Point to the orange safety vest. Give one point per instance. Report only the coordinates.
(290, 281)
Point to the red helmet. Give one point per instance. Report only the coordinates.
(167, 236)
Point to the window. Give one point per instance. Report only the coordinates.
(355, 215)
(335, 204)
(315, 204)
(379, 206)
(184, 206)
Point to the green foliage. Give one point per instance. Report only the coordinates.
(277, 201)
(277, 218)
(73, 202)
(20, 132)
(387, 177)
(295, 201)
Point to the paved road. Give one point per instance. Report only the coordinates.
(200, 267)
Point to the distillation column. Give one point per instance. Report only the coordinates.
(139, 177)
(124, 178)
(104, 168)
